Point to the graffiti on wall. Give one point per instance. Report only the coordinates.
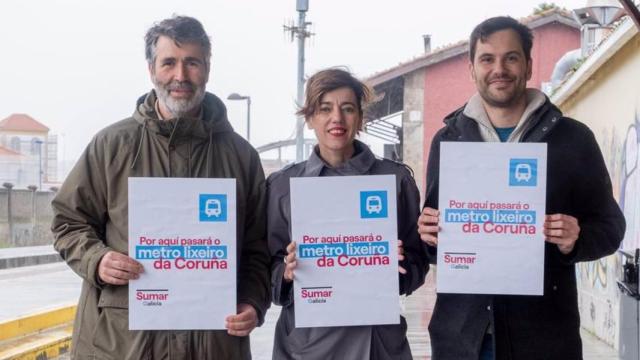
(596, 274)
(630, 184)
(599, 296)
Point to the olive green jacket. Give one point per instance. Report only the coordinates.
(91, 218)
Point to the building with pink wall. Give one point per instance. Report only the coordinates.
(438, 82)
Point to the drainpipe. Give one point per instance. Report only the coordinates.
(631, 10)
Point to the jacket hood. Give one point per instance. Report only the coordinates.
(213, 119)
(211, 122)
(476, 111)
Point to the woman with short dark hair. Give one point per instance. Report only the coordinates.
(333, 109)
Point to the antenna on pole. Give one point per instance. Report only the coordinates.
(300, 32)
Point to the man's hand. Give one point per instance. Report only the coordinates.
(244, 322)
(428, 227)
(290, 262)
(562, 230)
(401, 270)
(117, 269)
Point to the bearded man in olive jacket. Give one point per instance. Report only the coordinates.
(177, 130)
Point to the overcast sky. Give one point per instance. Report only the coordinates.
(78, 66)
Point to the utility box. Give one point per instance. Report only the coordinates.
(629, 339)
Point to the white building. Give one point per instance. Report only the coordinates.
(28, 154)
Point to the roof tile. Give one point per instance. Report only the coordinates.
(22, 122)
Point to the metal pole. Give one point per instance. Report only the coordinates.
(248, 118)
(9, 187)
(302, 35)
(33, 190)
(40, 164)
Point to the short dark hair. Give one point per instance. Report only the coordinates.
(180, 29)
(328, 80)
(495, 24)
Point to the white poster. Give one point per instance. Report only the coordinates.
(346, 231)
(492, 208)
(183, 231)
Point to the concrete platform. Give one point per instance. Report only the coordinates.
(28, 256)
(29, 289)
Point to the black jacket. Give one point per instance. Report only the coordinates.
(533, 327)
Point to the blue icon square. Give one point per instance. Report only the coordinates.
(523, 172)
(373, 204)
(213, 207)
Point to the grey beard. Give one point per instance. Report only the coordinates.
(179, 107)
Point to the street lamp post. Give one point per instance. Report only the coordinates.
(300, 31)
(236, 96)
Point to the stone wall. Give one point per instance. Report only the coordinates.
(28, 221)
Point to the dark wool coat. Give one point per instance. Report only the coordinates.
(533, 327)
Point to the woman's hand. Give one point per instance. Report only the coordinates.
(290, 262)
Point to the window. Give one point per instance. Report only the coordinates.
(15, 144)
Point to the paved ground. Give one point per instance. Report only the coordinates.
(28, 289)
(413, 308)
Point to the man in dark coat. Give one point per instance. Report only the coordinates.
(583, 223)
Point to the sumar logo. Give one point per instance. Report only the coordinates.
(213, 207)
(373, 204)
(317, 295)
(460, 261)
(152, 297)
